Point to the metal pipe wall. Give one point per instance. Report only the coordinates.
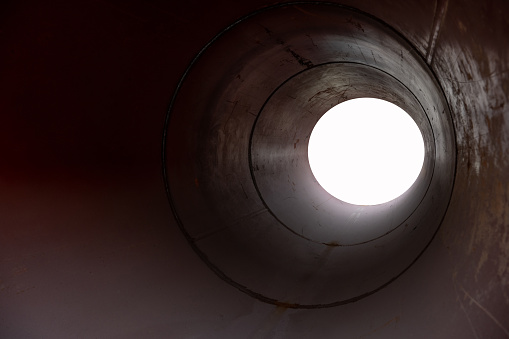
(90, 246)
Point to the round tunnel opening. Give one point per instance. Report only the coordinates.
(366, 151)
(239, 178)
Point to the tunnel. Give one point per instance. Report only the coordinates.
(156, 177)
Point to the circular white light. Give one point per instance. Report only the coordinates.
(366, 151)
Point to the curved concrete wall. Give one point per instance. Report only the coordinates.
(89, 244)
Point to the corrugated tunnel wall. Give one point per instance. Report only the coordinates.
(91, 246)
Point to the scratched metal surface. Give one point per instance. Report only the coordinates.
(89, 247)
(243, 192)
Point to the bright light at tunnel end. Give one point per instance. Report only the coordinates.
(366, 151)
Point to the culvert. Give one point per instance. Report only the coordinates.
(239, 180)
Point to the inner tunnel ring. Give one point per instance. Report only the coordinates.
(239, 181)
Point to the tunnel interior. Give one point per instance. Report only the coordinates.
(156, 180)
(270, 78)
